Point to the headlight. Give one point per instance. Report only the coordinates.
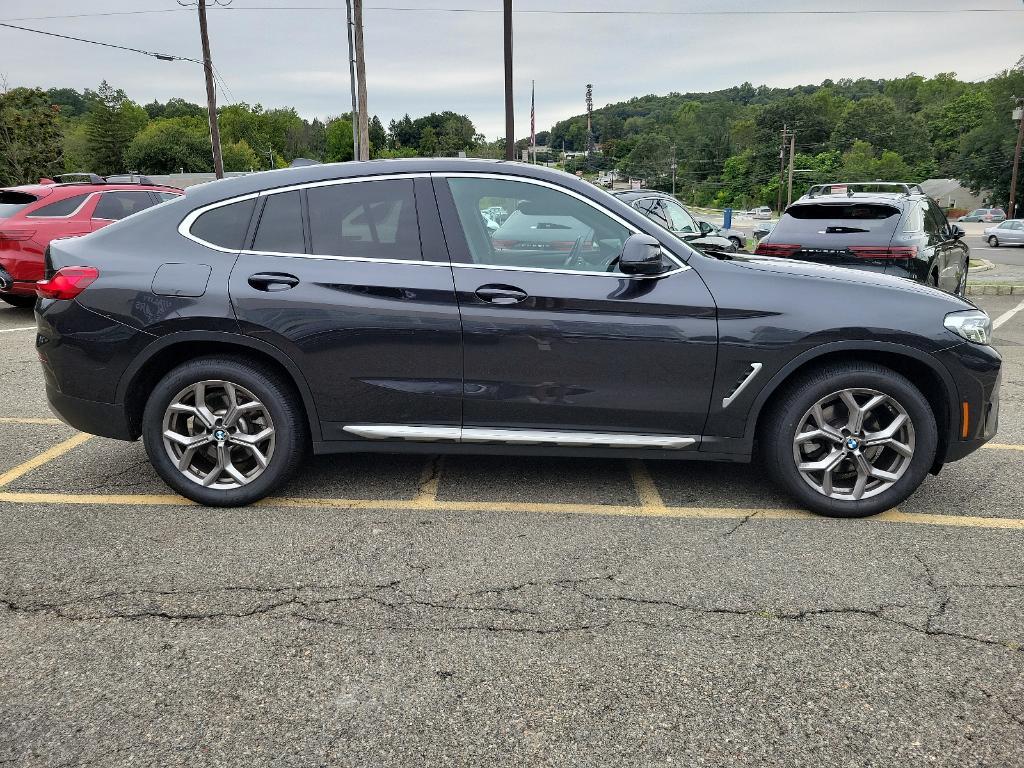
(971, 324)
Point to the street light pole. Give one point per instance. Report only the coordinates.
(364, 114)
(211, 91)
(792, 151)
(352, 83)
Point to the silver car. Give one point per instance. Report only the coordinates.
(1010, 232)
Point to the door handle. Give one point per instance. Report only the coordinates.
(273, 281)
(501, 294)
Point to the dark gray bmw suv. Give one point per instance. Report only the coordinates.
(370, 307)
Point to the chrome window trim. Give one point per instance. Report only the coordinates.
(428, 433)
(184, 228)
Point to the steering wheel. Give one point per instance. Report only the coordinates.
(573, 260)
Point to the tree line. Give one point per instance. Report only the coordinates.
(62, 130)
(727, 143)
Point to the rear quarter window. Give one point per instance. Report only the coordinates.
(225, 226)
(12, 201)
(64, 207)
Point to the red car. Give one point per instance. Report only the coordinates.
(33, 215)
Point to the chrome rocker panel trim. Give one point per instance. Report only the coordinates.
(519, 436)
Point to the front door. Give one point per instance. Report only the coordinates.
(555, 337)
(351, 280)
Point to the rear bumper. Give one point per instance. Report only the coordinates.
(16, 287)
(103, 419)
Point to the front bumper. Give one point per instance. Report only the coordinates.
(976, 370)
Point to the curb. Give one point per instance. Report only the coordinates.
(980, 289)
(986, 265)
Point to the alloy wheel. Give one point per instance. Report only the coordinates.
(218, 434)
(854, 444)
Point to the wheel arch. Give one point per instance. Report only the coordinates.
(926, 373)
(169, 351)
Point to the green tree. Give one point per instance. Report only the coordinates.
(378, 137)
(31, 144)
(239, 156)
(339, 141)
(649, 160)
(428, 141)
(111, 123)
(170, 145)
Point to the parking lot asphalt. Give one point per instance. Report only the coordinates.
(502, 611)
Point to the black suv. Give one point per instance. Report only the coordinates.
(371, 307)
(874, 226)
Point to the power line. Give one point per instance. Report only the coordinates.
(634, 12)
(155, 55)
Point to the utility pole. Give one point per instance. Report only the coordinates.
(364, 115)
(674, 166)
(782, 168)
(510, 123)
(792, 152)
(352, 82)
(1012, 208)
(211, 90)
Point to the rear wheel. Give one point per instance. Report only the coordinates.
(21, 302)
(850, 440)
(223, 431)
(993, 241)
(737, 244)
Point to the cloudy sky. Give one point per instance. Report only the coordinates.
(422, 58)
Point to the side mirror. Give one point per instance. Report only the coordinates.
(958, 232)
(706, 228)
(641, 255)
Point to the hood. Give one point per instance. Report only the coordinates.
(841, 274)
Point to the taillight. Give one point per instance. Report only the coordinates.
(16, 234)
(67, 282)
(876, 252)
(782, 250)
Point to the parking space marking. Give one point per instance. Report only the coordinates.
(646, 490)
(14, 330)
(998, 322)
(45, 457)
(19, 420)
(430, 480)
(1004, 446)
(608, 510)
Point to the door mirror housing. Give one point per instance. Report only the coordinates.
(954, 232)
(705, 228)
(641, 255)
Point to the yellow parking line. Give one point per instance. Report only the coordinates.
(15, 420)
(430, 480)
(1005, 446)
(612, 510)
(45, 457)
(646, 490)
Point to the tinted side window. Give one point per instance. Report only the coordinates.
(367, 219)
(931, 223)
(937, 216)
(165, 196)
(63, 207)
(280, 227)
(652, 209)
(915, 219)
(225, 226)
(680, 221)
(118, 205)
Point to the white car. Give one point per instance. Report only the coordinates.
(764, 212)
(1010, 232)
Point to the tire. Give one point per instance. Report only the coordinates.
(277, 408)
(21, 302)
(793, 407)
(933, 279)
(736, 243)
(993, 241)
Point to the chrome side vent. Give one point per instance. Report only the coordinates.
(741, 384)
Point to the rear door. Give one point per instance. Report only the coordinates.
(848, 233)
(352, 281)
(950, 252)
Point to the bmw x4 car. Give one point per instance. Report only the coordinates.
(368, 307)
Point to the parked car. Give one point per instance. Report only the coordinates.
(762, 229)
(984, 214)
(669, 213)
(763, 212)
(1010, 232)
(737, 237)
(33, 215)
(900, 233)
(361, 307)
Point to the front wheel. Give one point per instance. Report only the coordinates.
(224, 431)
(993, 241)
(736, 243)
(850, 440)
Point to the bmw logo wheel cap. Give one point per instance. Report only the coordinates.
(852, 443)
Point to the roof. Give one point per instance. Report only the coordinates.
(633, 194)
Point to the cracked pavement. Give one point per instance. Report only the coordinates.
(308, 636)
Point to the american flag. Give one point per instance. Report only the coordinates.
(533, 125)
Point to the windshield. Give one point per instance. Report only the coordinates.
(11, 202)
